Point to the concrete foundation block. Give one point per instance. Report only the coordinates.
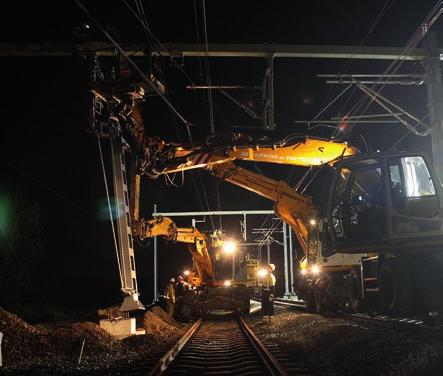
(121, 327)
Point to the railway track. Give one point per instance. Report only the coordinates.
(219, 345)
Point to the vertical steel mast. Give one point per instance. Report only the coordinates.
(124, 228)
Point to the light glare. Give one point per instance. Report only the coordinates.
(229, 247)
(262, 273)
(315, 269)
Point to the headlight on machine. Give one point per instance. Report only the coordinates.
(227, 282)
(315, 269)
(262, 273)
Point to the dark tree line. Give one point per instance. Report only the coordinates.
(21, 243)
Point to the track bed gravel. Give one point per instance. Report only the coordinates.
(341, 346)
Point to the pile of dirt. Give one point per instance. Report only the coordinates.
(55, 348)
(165, 317)
(67, 338)
(51, 346)
(157, 322)
(20, 340)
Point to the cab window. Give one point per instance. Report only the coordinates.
(358, 207)
(412, 188)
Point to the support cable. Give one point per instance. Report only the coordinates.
(211, 107)
(418, 35)
(110, 210)
(405, 135)
(386, 6)
(131, 62)
(144, 22)
(207, 68)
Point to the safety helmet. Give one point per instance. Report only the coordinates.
(172, 280)
(271, 267)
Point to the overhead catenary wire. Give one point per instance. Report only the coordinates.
(207, 68)
(144, 22)
(386, 6)
(327, 104)
(405, 135)
(364, 103)
(210, 102)
(131, 62)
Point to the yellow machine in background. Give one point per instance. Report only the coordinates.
(198, 245)
(211, 293)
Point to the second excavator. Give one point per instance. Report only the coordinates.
(210, 293)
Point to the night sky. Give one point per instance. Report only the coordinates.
(48, 157)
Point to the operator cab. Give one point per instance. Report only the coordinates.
(385, 201)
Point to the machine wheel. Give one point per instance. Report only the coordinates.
(393, 282)
(354, 292)
(318, 299)
(310, 303)
(246, 307)
(324, 295)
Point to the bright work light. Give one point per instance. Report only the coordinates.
(229, 247)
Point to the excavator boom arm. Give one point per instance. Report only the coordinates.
(290, 206)
(166, 228)
(218, 158)
(303, 151)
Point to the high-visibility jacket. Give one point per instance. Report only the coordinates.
(170, 292)
(269, 280)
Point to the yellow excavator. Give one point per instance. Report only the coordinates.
(197, 245)
(373, 237)
(210, 293)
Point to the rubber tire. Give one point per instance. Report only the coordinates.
(246, 307)
(318, 299)
(310, 303)
(323, 289)
(355, 296)
(394, 294)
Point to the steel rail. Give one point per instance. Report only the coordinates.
(293, 304)
(164, 362)
(286, 303)
(268, 359)
(241, 346)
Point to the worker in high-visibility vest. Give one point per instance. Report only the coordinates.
(170, 297)
(268, 291)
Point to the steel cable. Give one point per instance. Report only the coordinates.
(110, 210)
